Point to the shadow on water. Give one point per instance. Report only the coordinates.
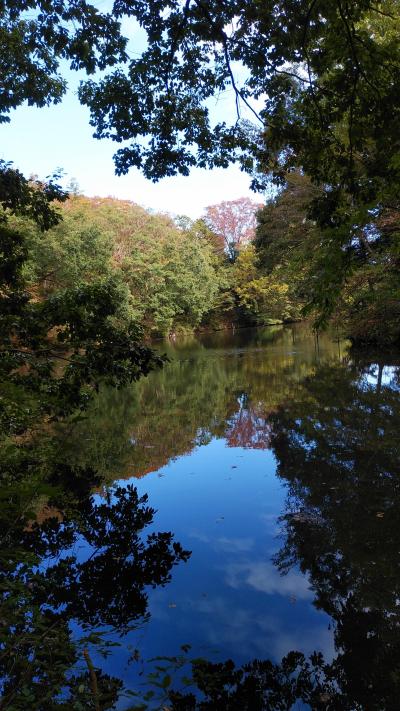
(77, 569)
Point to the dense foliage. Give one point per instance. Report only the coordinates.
(84, 282)
(55, 350)
(36, 36)
(170, 277)
(329, 73)
(293, 249)
(166, 277)
(318, 79)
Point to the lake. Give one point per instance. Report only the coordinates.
(270, 459)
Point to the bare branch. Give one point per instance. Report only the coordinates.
(224, 40)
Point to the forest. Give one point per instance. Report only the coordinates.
(91, 286)
(172, 276)
(241, 264)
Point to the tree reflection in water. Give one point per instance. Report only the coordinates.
(339, 449)
(226, 386)
(334, 431)
(337, 446)
(90, 565)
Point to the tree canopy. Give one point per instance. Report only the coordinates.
(314, 85)
(36, 35)
(234, 221)
(325, 71)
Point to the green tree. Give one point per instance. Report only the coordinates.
(328, 69)
(284, 228)
(172, 280)
(287, 239)
(293, 249)
(167, 277)
(54, 351)
(262, 297)
(74, 251)
(369, 303)
(36, 35)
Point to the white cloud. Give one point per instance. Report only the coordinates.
(264, 577)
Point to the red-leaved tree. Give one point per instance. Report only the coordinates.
(234, 221)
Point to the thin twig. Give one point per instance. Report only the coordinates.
(224, 40)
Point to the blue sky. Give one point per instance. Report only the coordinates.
(39, 140)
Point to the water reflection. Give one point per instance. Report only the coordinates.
(91, 565)
(339, 450)
(275, 460)
(226, 386)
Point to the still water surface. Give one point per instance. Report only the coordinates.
(217, 490)
(242, 503)
(274, 459)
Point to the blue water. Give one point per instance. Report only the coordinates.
(223, 503)
(271, 465)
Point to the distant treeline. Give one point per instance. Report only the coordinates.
(177, 276)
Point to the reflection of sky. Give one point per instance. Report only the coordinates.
(222, 501)
(228, 601)
(388, 376)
